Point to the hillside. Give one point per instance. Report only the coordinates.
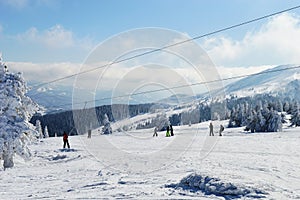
(134, 165)
(271, 81)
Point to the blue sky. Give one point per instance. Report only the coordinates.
(49, 39)
(92, 21)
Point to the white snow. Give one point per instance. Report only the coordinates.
(271, 83)
(135, 165)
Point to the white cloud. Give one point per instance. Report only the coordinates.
(124, 77)
(39, 73)
(276, 42)
(54, 37)
(57, 36)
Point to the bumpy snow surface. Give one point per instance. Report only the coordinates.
(215, 186)
(135, 165)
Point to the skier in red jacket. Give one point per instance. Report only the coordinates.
(66, 141)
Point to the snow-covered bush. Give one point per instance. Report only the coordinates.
(16, 110)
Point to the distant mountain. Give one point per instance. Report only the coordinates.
(53, 98)
(59, 98)
(176, 99)
(276, 81)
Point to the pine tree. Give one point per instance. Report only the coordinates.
(295, 119)
(274, 123)
(39, 130)
(161, 121)
(286, 107)
(16, 109)
(107, 128)
(261, 122)
(46, 133)
(251, 121)
(231, 123)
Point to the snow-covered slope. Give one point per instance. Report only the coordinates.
(97, 168)
(272, 81)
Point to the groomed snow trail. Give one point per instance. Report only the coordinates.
(268, 162)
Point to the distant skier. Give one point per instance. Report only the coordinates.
(168, 132)
(155, 132)
(171, 128)
(221, 130)
(66, 141)
(211, 129)
(89, 133)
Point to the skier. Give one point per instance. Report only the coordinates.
(221, 130)
(168, 132)
(89, 133)
(155, 132)
(66, 141)
(211, 129)
(171, 128)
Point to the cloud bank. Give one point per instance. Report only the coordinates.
(276, 42)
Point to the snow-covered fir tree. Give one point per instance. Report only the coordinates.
(295, 119)
(107, 128)
(38, 128)
(161, 121)
(275, 123)
(46, 133)
(16, 110)
(257, 118)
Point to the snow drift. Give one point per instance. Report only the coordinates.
(215, 186)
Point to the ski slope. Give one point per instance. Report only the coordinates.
(135, 165)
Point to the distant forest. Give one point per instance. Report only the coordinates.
(260, 113)
(77, 122)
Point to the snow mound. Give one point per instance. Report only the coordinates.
(58, 157)
(214, 186)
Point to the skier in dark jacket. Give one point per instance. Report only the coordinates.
(66, 141)
(155, 132)
(211, 129)
(221, 130)
(171, 128)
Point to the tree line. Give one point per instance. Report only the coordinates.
(79, 121)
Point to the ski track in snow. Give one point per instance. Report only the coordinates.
(266, 161)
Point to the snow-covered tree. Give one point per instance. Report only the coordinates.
(261, 122)
(286, 107)
(107, 128)
(16, 110)
(251, 121)
(274, 122)
(161, 121)
(295, 119)
(46, 133)
(38, 128)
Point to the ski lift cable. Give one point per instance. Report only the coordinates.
(183, 86)
(167, 46)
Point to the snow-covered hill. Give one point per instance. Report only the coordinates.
(272, 81)
(135, 165)
(53, 98)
